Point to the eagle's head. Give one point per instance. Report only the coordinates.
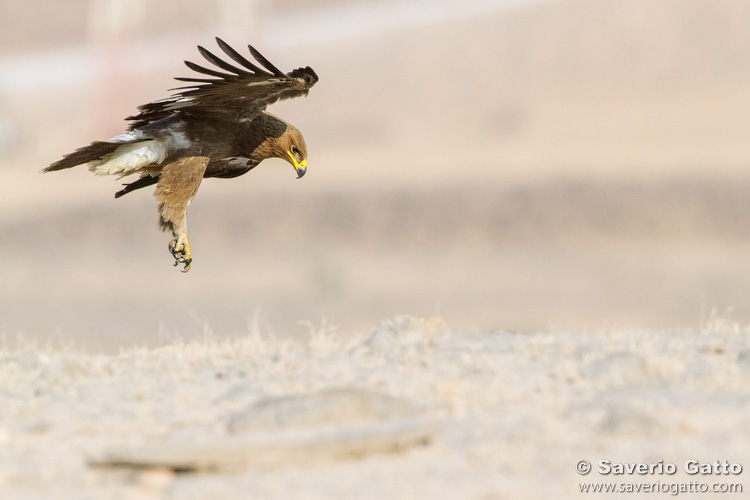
(294, 149)
(283, 141)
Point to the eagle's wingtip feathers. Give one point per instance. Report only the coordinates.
(250, 85)
(265, 62)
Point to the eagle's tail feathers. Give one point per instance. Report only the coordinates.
(97, 150)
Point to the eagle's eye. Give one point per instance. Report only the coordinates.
(295, 151)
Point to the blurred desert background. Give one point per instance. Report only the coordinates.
(523, 165)
(521, 242)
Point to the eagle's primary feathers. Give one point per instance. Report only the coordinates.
(216, 126)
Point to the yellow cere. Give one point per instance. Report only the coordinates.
(302, 164)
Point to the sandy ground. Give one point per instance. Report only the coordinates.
(414, 409)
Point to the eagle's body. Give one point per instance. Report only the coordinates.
(217, 127)
(146, 149)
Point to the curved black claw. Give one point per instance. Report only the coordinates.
(178, 259)
(180, 250)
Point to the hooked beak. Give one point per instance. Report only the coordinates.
(300, 167)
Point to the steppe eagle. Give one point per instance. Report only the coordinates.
(217, 126)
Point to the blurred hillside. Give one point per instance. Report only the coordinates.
(504, 163)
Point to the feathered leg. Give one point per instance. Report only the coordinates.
(178, 184)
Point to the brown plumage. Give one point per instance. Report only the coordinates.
(215, 127)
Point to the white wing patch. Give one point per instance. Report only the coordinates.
(128, 136)
(129, 158)
(133, 156)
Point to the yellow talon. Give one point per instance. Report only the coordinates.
(180, 249)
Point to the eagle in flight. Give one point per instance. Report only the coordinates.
(217, 126)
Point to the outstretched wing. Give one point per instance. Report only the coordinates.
(236, 92)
